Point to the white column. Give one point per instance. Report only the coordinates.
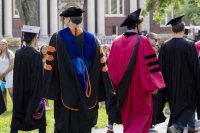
(8, 17)
(91, 16)
(146, 23)
(43, 18)
(101, 17)
(142, 3)
(133, 5)
(53, 16)
(61, 23)
(1, 19)
(82, 6)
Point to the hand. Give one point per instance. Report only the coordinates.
(2, 75)
(154, 92)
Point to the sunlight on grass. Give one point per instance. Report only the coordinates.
(102, 118)
(5, 119)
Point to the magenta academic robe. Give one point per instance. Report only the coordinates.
(137, 108)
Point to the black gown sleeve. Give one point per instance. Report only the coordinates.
(2, 104)
(37, 88)
(106, 88)
(18, 92)
(37, 80)
(194, 65)
(51, 71)
(161, 61)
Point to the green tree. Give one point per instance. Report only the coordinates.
(191, 9)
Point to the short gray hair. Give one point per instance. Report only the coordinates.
(76, 20)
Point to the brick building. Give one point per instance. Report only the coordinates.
(101, 17)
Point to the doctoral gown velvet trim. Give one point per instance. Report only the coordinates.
(146, 77)
(81, 60)
(61, 78)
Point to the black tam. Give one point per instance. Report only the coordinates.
(2, 104)
(72, 12)
(133, 18)
(175, 21)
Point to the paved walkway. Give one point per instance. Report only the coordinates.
(160, 128)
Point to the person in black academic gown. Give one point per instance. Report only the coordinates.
(76, 75)
(158, 98)
(28, 90)
(179, 65)
(2, 103)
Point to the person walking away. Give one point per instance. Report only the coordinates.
(28, 89)
(158, 99)
(179, 65)
(43, 51)
(2, 103)
(76, 75)
(146, 78)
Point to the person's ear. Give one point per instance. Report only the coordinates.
(137, 28)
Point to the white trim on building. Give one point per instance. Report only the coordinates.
(8, 18)
(91, 16)
(133, 5)
(43, 18)
(53, 16)
(168, 16)
(101, 17)
(146, 23)
(96, 15)
(114, 8)
(15, 11)
(1, 18)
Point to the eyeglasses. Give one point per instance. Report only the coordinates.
(2, 44)
(155, 39)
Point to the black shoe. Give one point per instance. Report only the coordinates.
(152, 126)
(193, 130)
(109, 131)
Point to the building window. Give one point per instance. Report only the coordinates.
(167, 18)
(114, 30)
(15, 10)
(114, 7)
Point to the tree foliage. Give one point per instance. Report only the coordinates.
(191, 9)
(28, 11)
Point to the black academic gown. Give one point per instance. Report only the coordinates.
(159, 101)
(179, 65)
(73, 112)
(28, 89)
(2, 104)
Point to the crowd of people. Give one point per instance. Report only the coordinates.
(134, 76)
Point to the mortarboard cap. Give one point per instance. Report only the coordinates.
(175, 21)
(29, 32)
(72, 12)
(132, 18)
(30, 29)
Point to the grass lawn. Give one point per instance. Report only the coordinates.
(5, 119)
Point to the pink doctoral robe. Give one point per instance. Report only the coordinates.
(137, 109)
(197, 44)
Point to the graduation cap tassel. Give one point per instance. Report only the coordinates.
(22, 38)
(75, 32)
